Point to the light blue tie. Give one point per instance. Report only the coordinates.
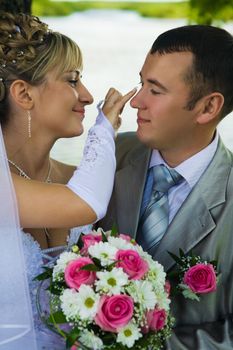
(154, 210)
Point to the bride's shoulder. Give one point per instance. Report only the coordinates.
(61, 172)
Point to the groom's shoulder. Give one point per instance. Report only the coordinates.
(128, 147)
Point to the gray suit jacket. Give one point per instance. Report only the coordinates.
(204, 224)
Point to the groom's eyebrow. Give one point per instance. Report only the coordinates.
(155, 82)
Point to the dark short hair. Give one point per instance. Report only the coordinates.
(212, 69)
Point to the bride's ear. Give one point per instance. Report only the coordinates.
(21, 93)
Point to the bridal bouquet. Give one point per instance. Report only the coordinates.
(109, 294)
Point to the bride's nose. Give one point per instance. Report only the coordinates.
(84, 95)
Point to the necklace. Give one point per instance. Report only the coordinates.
(23, 174)
(47, 180)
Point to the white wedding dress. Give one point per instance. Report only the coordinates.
(35, 258)
(21, 257)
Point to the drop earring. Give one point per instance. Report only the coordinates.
(29, 124)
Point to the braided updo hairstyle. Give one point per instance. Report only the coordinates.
(28, 51)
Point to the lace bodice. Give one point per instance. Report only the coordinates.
(35, 258)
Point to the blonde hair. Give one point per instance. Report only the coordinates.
(29, 50)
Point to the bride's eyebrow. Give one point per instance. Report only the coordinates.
(78, 73)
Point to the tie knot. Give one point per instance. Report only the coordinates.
(165, 178)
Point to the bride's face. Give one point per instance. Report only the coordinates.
(59, 104)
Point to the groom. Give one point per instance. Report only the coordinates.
(186, 89)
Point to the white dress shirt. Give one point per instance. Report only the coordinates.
(191, 170)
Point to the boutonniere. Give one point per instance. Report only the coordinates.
(195, 276)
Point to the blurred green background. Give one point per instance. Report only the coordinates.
(196, 11)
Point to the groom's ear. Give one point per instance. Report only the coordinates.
(211, 108)
(21, 93)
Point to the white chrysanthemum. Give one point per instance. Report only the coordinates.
(163, 301)
(157, 276)
(104, 252)
(142, 293)
(99, 232)
(87, 301)
(144, 255)
(69, 303)
(128, 335)
(120, 243)
(110, 282)
(156, 272)
(62, 262)
(89, 339)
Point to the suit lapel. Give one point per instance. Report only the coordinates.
(191, 224)
(194, 220)
(128, 199)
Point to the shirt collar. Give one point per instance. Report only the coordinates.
(192, 168)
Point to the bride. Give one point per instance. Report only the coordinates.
(42, 98)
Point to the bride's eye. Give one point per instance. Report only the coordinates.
(73, 82)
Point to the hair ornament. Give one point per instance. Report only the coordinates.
(20, 53)
(17, 29)
(2, 89)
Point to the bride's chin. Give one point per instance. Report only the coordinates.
(78, 132)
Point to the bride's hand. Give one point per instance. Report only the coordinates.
(114, 104)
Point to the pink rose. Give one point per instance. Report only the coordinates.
(114, 312)
(167, 287)
(156, 320)
(132, 263)
(74, 276)
(201, 278)
(88, 240)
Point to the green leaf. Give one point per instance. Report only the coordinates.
(181, 253)
(108, 338)
(79, 241)
(176, 258)
(214, 263)
(97, 262)
(104, 237)
(90, 267)
(44, 275)
(57, 317)
(56, 287)
(188, 293)
(114, 231)
(72, 337)
(173, 274)
(218, 278)
(110, 267)
(183, 286)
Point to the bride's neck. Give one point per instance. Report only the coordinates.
(30, 154)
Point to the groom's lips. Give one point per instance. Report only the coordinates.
(141, 120)
(80, 111)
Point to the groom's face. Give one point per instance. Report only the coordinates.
(163, 120)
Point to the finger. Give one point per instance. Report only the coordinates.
(113, 97)
(128, 96)
(109, 93)
(120, 104)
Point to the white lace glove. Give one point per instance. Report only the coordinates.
(93, 179)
